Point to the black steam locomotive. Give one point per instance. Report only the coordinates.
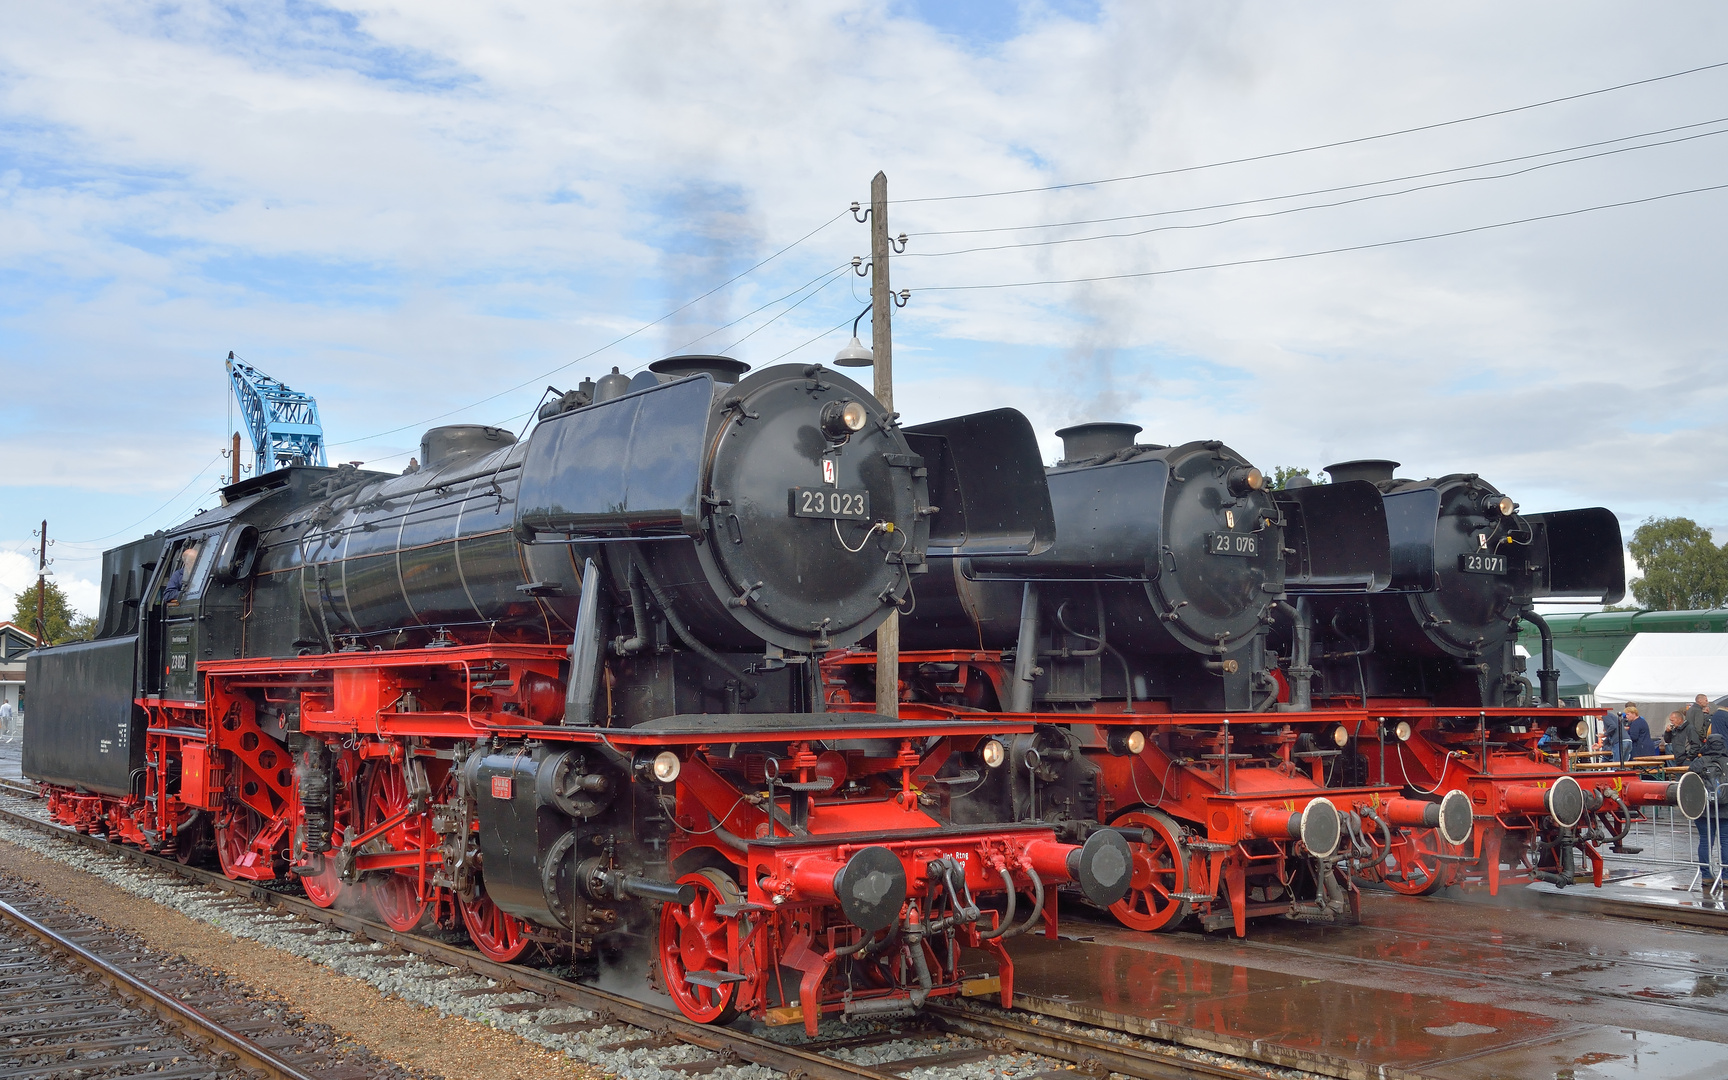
(564, 692)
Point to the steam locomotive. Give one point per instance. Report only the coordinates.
(564, 693)
(1450, 706)
(1274, 694)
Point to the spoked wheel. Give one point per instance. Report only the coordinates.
(1160, 873)
(395, 895)
(236, 827)
(498, 934)
(326, 886)
(692, 941)
(1420, 868)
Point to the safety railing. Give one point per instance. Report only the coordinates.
(1663, 839)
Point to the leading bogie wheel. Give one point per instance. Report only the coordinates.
(237, 825)
(694, 939)
(1160, 874)
(1420, 868)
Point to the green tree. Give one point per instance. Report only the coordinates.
(64, 624)
(1683, 568)
(1282, 475)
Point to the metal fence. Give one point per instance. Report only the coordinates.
(1668, 841)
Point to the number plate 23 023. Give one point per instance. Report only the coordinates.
(849, 503)
(1233, 543)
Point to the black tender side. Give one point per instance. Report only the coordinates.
(82, 729)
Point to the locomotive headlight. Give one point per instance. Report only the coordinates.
(1498, 504)
(1340, 736)
(1583, 729)
(1402, 731)
(993, 753)
(1246, 478)
(1121, 742)
(841, 419)
(666, 766)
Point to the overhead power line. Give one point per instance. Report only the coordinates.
(829, 275)
(1328, 251)
(158, 510)
(1325, 190)
(1301, 209)
(1358, 140)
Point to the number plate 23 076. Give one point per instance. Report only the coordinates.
(850, 503)
(1233, 543)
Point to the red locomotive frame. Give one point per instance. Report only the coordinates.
(1219, 825)
(393, 721)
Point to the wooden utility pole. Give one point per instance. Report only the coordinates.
(42, 587)
(234, 460)
(882, 349)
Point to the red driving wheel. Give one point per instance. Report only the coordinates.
(1160, 874)
(693, 940)
(394, 893)
(498, 934)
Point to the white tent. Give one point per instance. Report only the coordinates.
(1667, 668)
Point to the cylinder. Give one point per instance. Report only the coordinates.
(1102, 866)
(870, 887)
(1688, 793)
(1271, 823)
(1317, 825)
(1563, 800)
(1451, 815)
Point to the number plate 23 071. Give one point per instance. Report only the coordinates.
(850, 503)
(1233, 543)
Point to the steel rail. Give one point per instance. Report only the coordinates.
(750, 1048)
(21, 788)
(1073, 1047)
(248, 1054)
(1087, 1050)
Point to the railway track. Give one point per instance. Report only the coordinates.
(22, 788)
(995, 1034)
(67, 1008)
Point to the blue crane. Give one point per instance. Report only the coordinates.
(283, 423)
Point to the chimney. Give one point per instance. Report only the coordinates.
(1373, 470)
(1084, 441)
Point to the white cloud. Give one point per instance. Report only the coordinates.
(18, 572)
(405, 209)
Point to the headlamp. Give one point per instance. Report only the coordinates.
(993, 753)
(666, 766)
(1246, 478)
(841, 419)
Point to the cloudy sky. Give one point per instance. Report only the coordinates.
(435, 210)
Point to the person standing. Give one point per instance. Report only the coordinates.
(1678, 737)
(1698, 719)
(6, 718)
(1712, 765)
(1613, 737)
(1638, 733)
(1719, 720)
